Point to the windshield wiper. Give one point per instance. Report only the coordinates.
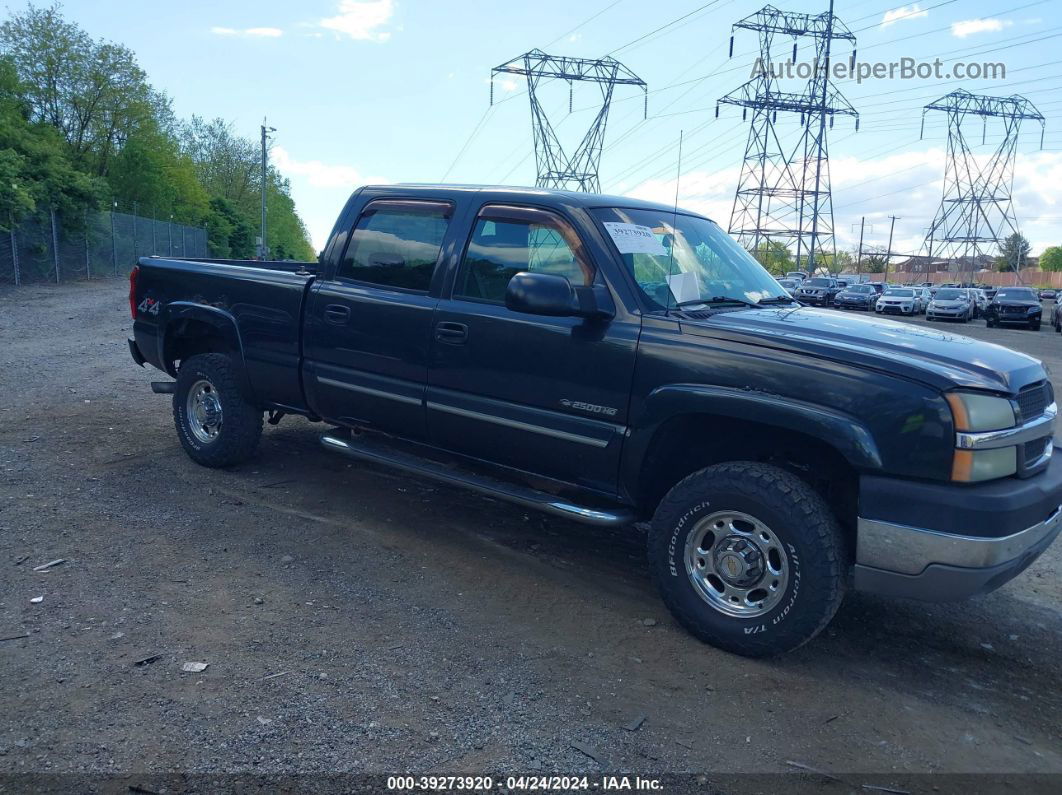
(715, 299)
(776, 299)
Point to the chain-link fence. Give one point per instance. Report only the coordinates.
(49, 247)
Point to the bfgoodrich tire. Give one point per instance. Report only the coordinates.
(748, 558)
(215, 423)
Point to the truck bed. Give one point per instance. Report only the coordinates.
(259, 301)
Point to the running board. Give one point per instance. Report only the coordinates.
(521, 495)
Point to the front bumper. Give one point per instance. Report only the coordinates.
(895, 309)
(947, 314)
(941, 542)
(1021, 320)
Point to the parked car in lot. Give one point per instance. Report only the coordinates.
(952, 303)
(857, 296)
(818, 291)
(1016, 305)
(609, 360)
(798, 275)
(924, 297)
(898, 301)
(1048, 295)
(980, 301)
(1056, 316)
(790, 286)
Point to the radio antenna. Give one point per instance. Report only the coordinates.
(674, 228)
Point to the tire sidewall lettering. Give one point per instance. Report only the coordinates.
(680, 526)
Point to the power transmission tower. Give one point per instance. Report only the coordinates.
(976, 212)
(784, 190)
(556, 169)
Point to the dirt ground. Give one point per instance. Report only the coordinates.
(357, 620)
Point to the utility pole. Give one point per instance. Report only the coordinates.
(263, 248)
(888, 249)
(859, 255)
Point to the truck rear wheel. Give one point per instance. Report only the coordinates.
(748, 557)
(215, 423)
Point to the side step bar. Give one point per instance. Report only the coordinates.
(163, 387)
(521, 495)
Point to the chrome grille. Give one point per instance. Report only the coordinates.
(1032, 400)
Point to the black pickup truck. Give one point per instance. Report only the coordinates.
(610, 360)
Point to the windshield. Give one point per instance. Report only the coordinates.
(787, 283)
(817, 283)
(1016, 295)
(949, 295)
(685, 259)
(862, 288)
(900, 293)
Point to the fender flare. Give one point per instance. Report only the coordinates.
(219, 319)
(843, 432)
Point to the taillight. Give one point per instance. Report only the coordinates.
(133, 274)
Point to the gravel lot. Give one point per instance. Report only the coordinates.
(358, 620)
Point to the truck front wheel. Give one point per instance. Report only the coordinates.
(748, 557)
(215, 423)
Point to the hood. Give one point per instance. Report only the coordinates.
(950, 303)
(933, 357)
(899, 299)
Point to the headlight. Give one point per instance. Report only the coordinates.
(977, 413)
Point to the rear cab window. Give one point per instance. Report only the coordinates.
(396, 244)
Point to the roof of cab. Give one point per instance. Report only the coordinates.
(515, 193)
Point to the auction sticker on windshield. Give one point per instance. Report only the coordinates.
(634, 239)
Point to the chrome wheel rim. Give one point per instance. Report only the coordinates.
(737, 564)
(204, 411)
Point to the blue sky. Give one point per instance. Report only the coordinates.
(390, 90)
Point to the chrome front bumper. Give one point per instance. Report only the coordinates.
(899, 560)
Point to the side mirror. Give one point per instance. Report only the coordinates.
(551, 295)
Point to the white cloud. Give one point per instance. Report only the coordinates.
(894, 15)
(318, 174)
(506, 84)
(320, 189)
(261, 33)
(969, 27)
(361, 19)
(574, 37)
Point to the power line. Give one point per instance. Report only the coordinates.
(584, 23)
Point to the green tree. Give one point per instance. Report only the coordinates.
(1013, 252)
(874, 259)
(74, 109)
(151, 170)
(774, 256)
(1051, 259)
(93, 92)
(35, 169)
